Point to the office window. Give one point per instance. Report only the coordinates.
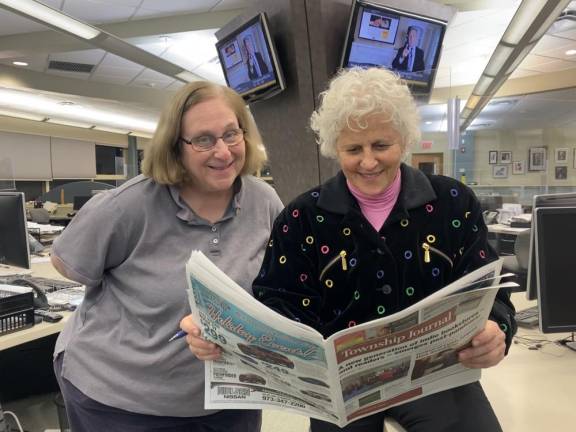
(109, 160)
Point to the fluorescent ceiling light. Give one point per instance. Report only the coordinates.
(21, 115)
(483, 84)
(552, 17)
(519, 58)
(69, 123)
(570, 52)
(187, 76)
(465, 113)
(53, 17)
(497, 60)
(428, 122)
(472, 101)
(19, 63)
(111, 130)
(522, 20)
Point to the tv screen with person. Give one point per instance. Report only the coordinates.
(249, 60)
(406, 43)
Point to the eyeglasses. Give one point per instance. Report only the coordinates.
(208, 142)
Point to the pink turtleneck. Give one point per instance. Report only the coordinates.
(376, 208)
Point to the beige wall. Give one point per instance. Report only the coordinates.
(518, 142)
(439, 145)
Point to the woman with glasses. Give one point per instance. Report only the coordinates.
(129, 246)
(377, 238)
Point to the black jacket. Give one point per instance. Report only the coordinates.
(327, 267)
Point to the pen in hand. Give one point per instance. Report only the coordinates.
(180, 334)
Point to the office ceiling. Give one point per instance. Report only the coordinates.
(117, 93)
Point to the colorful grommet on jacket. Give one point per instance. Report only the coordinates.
(429, 208)
(282, 259)
(346, 231)
(430, 238)
(454, 192)
(410, 291)
(408, 254)
(329, 283)
(380, 309)
(295, 213)
(320, 218)
(456, 223)
(324, 249)
(404, 223)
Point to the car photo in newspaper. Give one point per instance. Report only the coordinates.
(261, 363)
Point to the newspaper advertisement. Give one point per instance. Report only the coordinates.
(269, 361)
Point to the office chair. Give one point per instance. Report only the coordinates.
(39, 215)
(518, 263)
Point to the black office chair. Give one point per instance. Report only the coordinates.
(518, 263)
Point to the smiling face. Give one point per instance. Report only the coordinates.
(215, 170)
(370, 158)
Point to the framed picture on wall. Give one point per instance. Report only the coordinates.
(505, 157)
(518, 167)
(493, 157)
(537, 159)
(561, 156)
(500, 171)
(561, 173)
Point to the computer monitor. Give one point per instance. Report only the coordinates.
(14, 249)
(79, 201)
(543, 201)
(555, 235)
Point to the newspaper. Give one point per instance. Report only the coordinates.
(270, 361)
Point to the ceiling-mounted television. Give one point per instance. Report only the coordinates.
(407, 43)
(249, 60)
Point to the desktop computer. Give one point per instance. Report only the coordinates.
(14, 248)
(551, 277)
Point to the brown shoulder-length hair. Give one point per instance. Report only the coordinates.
(162, 157)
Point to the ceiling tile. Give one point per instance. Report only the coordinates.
(93, 56)
(191, 6)
(11, 23)
(554, 66)
(548, 43)
(94, 11)
(119, 62)
(36, 63)
(120, 73)
(75, 75)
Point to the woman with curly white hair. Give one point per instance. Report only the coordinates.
(377, 238)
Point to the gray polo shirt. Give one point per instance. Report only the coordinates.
(129, 246)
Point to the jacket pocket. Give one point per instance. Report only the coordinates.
(338, 259)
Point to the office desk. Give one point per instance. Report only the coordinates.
(41, 330)
(504, 237)
(505, 229)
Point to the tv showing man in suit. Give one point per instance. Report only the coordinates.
(410, 58)
(254, 62)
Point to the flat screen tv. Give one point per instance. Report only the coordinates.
(249, 60)
(386, 37)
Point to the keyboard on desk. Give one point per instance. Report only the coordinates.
(527, 317)
(51, 285)
(59, 292)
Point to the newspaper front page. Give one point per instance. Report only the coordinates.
(270, 361)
